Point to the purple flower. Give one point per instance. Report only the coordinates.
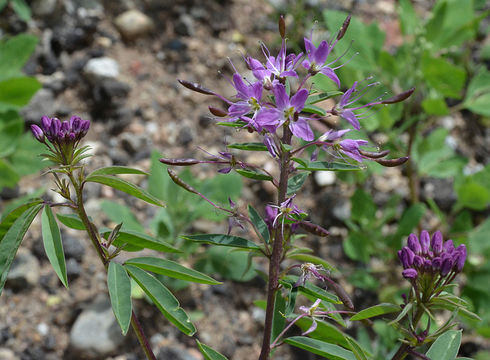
(460, 257)
(349, 147)
(58, 132)
(413, 244)
(407, 257)
(436, 243)
(287, 110)
(317, 58)
(425, 241)
(38, 133)
(448, 246)
(446, 266)
(409, 273)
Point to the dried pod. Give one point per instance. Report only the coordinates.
(343, 28)
(179, 162)
(341, 293)
(374, 155)
(179, 182)
(217, 111)
(313, 229)
(392, 162)
(196, 87)
(399, 97)
(282, 27)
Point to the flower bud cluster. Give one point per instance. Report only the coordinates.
(58, 132)
(431, 256)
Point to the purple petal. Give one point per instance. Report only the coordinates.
(310, 48)
(311, 329)
(409, 273)
(301, 129)
(345, 98)
(298, 100)
(306, 64)
(239, 109)
(268, 118)
(241, 87)
(332, 135)
(320, 55)
(331, 74)
(282, 98)
(351, 118)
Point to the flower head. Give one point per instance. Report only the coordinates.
(317, 58)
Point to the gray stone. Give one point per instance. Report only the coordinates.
(98, 69)
(175, 353)
(133, 23)
(185, 25)
(73, 247)
(73, 269)
(95, 332)
(24, 272)
(342, 209)
(44, 7)
(42, 103)
(324, 178)
(7, 354)
(134, 143)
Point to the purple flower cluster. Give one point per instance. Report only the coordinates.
(58, 132)
(431, 256)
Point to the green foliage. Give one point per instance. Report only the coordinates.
(446, 346)
(209, 353)
(377, 310)
(330, 351)
(119, 285)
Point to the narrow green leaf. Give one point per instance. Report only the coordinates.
(222, 240)
(312, 259)
(209, 353)
(53, 245)
(376, 310)
(409, 20)
(250, 146)
(71, 220)
(117, 170)
(278, 319)
(402, 314)
(325, 331)
(21, 9)
(253, 175)
(172, 269)
(313, 99)
(12, 239)
(125, 186)
(328, 166)
(259, 223)
(330, 351)
(312, 109)
(16, 92)
(164, 300)
(357, 350)
(14, 54)
(296, 182)
(141, 240)
(13, 215)
(311, 291)
(119, 285)
(446, 346)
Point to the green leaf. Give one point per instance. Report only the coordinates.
(164, 300)
(249, 146)
(473, 195)
(117, 170)
(253, 175)
(228, 262)
(312, 109)
(409, 220)
(311, 291)
(259, 223)
(172, 269)
(16, 92)
(313, 99)
(125, 186)
(119, 285)
(140, 240)
(14, 54)
(376, 310)
(71, 220)
(209, 353)
(11, 130)
(357, 350)
(278, 319)
(312, 259)
(363, 207)
(446, 78)
(446, 346)
(296, 182)
(222, 240)
(53, 245)
(478, 238)
(21, 9)
(9, 219)
(435, 106)
(12, 238)
(3, 3)
(325, 331)
(328, 166)
(9, 176)
(409, 21)
(330, 351)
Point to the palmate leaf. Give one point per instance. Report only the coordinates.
(209, 353)
(13, 235)
(329, 351)
(53, 245)
(164, 300)
(119, 285)
(125, 186)
(171, 269)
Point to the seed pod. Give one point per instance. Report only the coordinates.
(196, 87)
(343, 28)
(374, 155)
(179, 162)
(282, 27)
(392, 162)
(398, 98)
(313, 228)
(217, 112)
(179, 182)
(342, 294)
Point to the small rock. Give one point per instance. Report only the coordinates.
(101, 68)
(42, 329)
(7, 354)
(134, 143)
(118, 156)
(342, 209)
(42, 103)
(24, 272)
(9, 193)
(185, 25)
(205, 120)
(73, 247)
(324, 178)
(176, 45)
(43, 7)
(174, 353)
(133, 23)
(73, 269)
(95, 331)
(185, 136)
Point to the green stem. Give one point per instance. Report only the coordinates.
(92, 232)
(404, 348)
(277, 247)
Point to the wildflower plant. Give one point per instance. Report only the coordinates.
(277, 105)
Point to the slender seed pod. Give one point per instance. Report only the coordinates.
(179, 182)
(399, 97)
(342, 294)
(180, 162)
(343, 28)
(282, 27)
(217, 112)
(313, 229)
(373, 154)
(196, 87)
(392, 162)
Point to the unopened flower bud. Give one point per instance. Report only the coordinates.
(460, 258)
(436, 263)
(446, 266)
(448, 246)
(425, 241)
(46, 123)
(409, 273)
(282, 27)
(179, 162)
(414, 244)
(343, 28)
(313, 228)
(436, 243)
(418, 261)
(407, 257)
(38, 133)
(399, 98)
